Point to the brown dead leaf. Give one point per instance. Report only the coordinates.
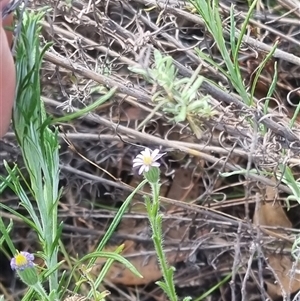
(184, 186)
(282, 266)
(272, 214)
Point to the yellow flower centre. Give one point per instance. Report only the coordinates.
(21, 260)
(148, 160)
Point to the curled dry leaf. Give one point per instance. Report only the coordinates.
(272, 214)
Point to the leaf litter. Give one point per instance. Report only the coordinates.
(223, 188)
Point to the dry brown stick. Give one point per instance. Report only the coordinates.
(283, 55)
(222, 96)
(212, 90)
(283, 131)
(282, 36)
(217, 93)
(97, 77)
(150, 139)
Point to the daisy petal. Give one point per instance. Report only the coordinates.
(141, 170)
(146, 152)
(155, 153)
(136, 164)
(158, 156)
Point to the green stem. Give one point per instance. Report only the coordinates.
(40, 290)
(155, 221)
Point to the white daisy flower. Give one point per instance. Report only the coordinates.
(146, 159)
